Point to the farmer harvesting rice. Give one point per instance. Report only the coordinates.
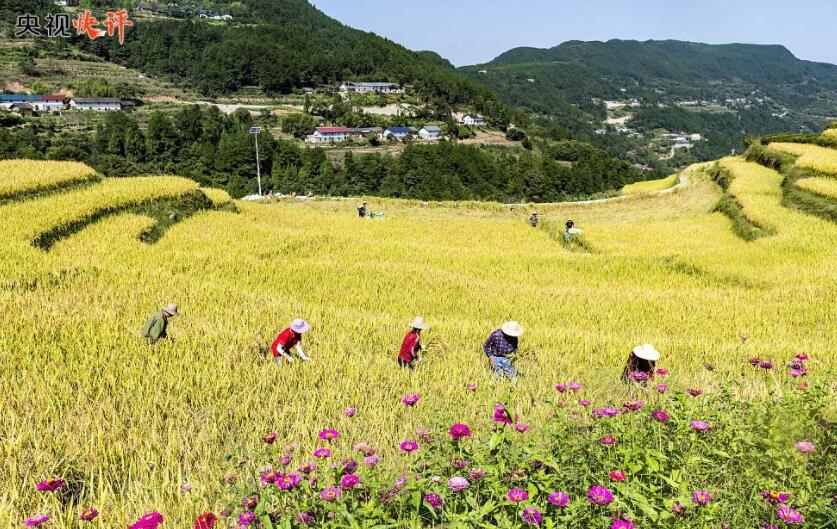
(290, 338)
(361, 210)
(533, 220)
(411, 347)
(155, 328)
(641, 362)
(570, 230)
(500, 346)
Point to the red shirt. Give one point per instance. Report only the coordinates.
(287, 339)
(410, 347)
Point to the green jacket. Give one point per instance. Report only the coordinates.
(155, 328)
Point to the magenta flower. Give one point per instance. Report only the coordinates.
(472, 387)
(458, 483)
(371, 461)
(599, 495)
(349, 481)
(350, 411)
(678, 509)
(349, 466)
(531, 516)
(605, 412)
(410, 399)
(617, 475)
(305, 518)
(285, 460)
(805, 447)
(766, 364)
(434, 501)
(329, 435)
(788, 515)
(307, 468)
(288, 481)
(51, 485)
(459, 431)
(409, 446)
(322, 453)
(622, 524)
(460, 464)
(250, 503)
(638, 376)
(476, 474)
(88, 515)
(662, 388)
(699, 426)
(501, 415)
(754, 361)
(802, 357)
(560, 388)
(774, 497)
(518, 495)
(608, 441)
(662, 372)
(149, 520)
(270, 438)
(330, 494)
(584, 402)
(36, 520)
(246, 518)
(796, 373)
(573, 386)
(694, 391)
(633, 405)
(558, 499)
(701, 497)
(660, 415)
(521, 427)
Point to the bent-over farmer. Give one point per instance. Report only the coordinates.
(411, 347)
(500, 346)
(533, 220)
(361, 210)
(640, 364)
(290, 338)
(156, 326)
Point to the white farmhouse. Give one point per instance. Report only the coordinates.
(99, 104)
(328, 135)
(430, 133)
(361, 87)
(473, 120)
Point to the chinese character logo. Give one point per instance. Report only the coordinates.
(86, 24)
(117, 21)
(27, 25)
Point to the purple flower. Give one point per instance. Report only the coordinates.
(518, 495)
(250, 503)
(458, 483)
(788, 515)
(501, 415)
(754, 361)
(246, 518)
(349, 412)
(349, 481)
(269, 439)
(766, 364)
(322, 453)
(599, 495)
(617, 475)
(371, 461)
(622, 524)
(805, 447)
(701, 497)
(288, 481)
(472, 387)
(410, 399)
(434, 501)
(531, 516)
(662, 372)
(329, 435)
(608, 441)
(662, 388)
(409, 446)
(699, 426)
(560, 388)
(694, 391)
(605, 412)
(638, 376)
(36, 520)
(774, 497)
(51, 485)
(660, 415)
(521, 427)
(285, 460)
(304, 518)
(573, 386)
(769, 526)
(476, 474)
(460, 464)
(307, 468)
(558, 499)
(330, 494)
(584, 402)
(459, 431)
(633, 405)
(678, 509)
(149, 520)
(88, 515)
(802, 357)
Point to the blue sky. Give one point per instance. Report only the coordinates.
(472, 31)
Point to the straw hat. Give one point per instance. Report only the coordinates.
(418, 323)
(646, 352)
(511, 328)
(300, 326)
(170, 309)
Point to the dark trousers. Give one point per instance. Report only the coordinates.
(408, 365)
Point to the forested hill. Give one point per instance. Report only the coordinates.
(280, 45)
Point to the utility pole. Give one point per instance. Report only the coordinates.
(255, 132)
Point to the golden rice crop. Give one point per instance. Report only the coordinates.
(814, 157)
(218, 197)
(24, 176)
(127, 424)
(650, 186)
(832, 132)
(826, 187)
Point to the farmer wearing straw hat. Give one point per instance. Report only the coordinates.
(411, 347)
(288, 339)
(640, 364)
(533, 220)
(500, 346)
(155, 328)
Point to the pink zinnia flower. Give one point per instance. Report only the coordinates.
(322, 453)
(305, 518)
(599, 495)
(521, 427)
(149, 520)
(660, 415)
(678, 509)
(246, 518)
(434, 501)
(51, 485)
(459, 431)
(805, 447)
(558, 499)
(330, 494)
(458, 483)
(287, 481)
(789, 516)
(186, 488)
(410, 399)
(472, 387)
(205, 521)
(250, 503)
(460, 464)
(36, 520)
(476, 474)
(622, 524)
(307, 468)
(608, 441)
(774, 497)
(701, 497)
(350, 412)
(531, 516)
(88, 515)
(662, 372)
(638, 376)
(329, 435)
(694, 391)
(349, 481)
(699, 426)
(617, 475)
(409, 446)
(501, 415)
(605, 412)
(662, 388)
(754, 361)
(634, 405)
(802, 357)
(518, 495)
(270, 438)
(371, 461)
(285, 460)
(573, 386)
(584, 402)
(766, 364)
(560, 388)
